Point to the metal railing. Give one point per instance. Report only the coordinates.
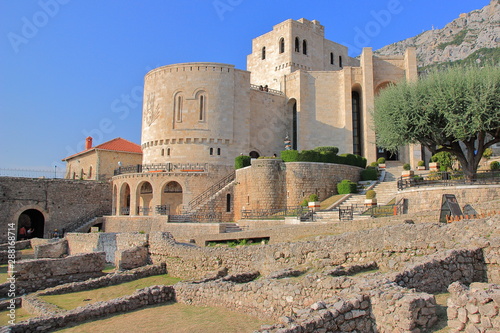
(266, 89)
(144, 211)
(162, 209)
(87, 218)
(449, 178)
(211, 190)
(163, 167)
(278, 213)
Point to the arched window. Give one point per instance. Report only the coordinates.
(168, 151)
(297, 44)
(218, 151)
(203, 103)
(356, 123)
(211, 151)
(304, 47)
(178, 108)
(263, 53)
(163, 152)
(331, 58)
(340, 61)
(282, 45)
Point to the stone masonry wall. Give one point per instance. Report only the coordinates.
(474, 308)
(32, 275)
(273, 184)
(60, 201)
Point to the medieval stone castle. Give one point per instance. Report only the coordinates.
(197, 117)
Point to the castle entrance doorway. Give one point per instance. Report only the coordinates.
(31, 219)
(171, 197)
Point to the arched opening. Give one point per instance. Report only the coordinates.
(297, 44)
(294, 117)
(125, 200)
(228, 203)
(30, 224)
(211, 151)
(382, 86)
(254, 154)
(145, 198)
(356, 123)
(202, 107)
(178, 107)
(171, 198)
(282, 45)
(304, 47)
(263, 53)
(332, 58)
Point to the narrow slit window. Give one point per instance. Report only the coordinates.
(263, 53)
(178, 108)
(218, 151)
(304, 47)
(332, 59)
(282, 45)
(203, 102)
(340, 61)
(297, 44)
(211, 151)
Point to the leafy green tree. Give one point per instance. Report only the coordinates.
(456, 111)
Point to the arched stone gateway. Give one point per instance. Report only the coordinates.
(144, 198)
(31, 219)
(171, 197)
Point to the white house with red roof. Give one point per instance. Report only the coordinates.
(99, 162)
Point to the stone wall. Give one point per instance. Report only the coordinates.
(32, 275)
(58, 202)
(131, 258)
(56, 249)
(429, 199)
(273, 184)
(474, 308)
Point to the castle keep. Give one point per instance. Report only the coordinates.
(197, 117)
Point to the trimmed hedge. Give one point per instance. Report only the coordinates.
(327, 149)
(369, 173)
(371, 194)
(242, 161)
(346, 186)
(325, 155)
(495, 165)
(407, 166)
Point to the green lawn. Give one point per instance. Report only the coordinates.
(176, 317)
(81, 298)
(21, 315)
(3, 273)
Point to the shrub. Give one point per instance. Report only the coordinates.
(420, 163)
(381, 160)
(241, 161)
(304, 202)
(445, 160)
(327, 149)
(309, 156)
(374, 164)
(346, 186)
(289, 155)
(369, 174)
(406, 167)
(495, 165)
(313, 197)
(488, 152)
(371, 194)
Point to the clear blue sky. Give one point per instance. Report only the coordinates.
(69, 68)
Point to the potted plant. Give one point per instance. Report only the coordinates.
(407, 171)
(314, 203)
(381, 163)
(371, 199)
(434, 164)
(420, 165)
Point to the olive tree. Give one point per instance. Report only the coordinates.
(456, 111)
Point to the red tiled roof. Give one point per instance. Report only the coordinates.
(117, 144)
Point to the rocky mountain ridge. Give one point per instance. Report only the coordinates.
(479, 29)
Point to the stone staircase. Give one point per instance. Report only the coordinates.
(232, 227)
(386, 191)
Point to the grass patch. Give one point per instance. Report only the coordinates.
(3, 273)
(366, 272)
(442, 324)
(27, 254)
(176, 317)
(81, 298)
(109, 268)
(21, 315)
(331, 200)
